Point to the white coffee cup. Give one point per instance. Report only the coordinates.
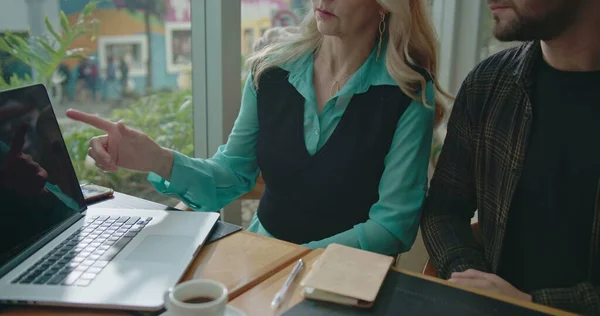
(215, 293)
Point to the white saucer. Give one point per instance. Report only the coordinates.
(229, 311)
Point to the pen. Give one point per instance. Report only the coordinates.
(283, 291)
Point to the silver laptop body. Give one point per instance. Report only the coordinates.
(56, 251)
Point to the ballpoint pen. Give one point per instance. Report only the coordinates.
(284, 289)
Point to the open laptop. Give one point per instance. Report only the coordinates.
(55, 251)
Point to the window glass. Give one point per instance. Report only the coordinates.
(119, 59)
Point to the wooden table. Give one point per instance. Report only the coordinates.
(243, 260)
(257, 301)
(253, 268)
(239, 261)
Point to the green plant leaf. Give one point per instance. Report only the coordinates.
(17, 42)
(45, 56)
(4, 45)
(46, 46)
(64, 23)
(50, 29)
(95, 32)
(89, 8)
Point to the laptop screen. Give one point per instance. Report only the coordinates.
(38, 186)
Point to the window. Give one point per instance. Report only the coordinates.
(260, 15)
(178, 46)
(132, 49)
(248, 40)
(133, 64)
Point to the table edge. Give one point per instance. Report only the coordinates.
(507, 299)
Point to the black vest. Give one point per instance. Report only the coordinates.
(308, 197)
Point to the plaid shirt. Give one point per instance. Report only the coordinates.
(479, 168)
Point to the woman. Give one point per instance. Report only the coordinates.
(338, 118)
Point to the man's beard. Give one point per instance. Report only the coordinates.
(545, 27)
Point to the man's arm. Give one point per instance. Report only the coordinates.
(451, 202)
(583, 298)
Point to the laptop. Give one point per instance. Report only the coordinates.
(55, 251)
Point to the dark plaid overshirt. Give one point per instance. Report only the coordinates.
(479, 169)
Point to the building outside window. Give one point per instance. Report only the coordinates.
(134, 65)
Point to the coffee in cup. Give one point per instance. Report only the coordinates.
(197, 297)
(199, 300)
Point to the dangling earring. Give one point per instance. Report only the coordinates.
(381, 31)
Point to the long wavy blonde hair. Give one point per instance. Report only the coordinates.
(412, 44)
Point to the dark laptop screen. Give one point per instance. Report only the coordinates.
(38, 187)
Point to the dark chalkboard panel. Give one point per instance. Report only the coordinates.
(402, 294)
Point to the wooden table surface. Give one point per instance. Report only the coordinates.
(253, 268)
(242, 260)
(257, 301)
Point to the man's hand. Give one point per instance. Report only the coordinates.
(487, 282)
(18, 172)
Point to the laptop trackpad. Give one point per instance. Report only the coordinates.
(157, 248)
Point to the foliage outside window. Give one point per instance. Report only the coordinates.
(163, 114)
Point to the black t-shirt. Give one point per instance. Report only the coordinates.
(547, 242)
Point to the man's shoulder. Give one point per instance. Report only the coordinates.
(496, 78)
(502, 64)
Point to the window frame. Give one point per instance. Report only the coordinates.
(457, 23)
(137, 39)
(170, 28)
(216, 69)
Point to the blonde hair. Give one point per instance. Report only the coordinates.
(272, 35)
(412, 44)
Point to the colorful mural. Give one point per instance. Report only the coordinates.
(260, 15)
(122, 38)
(178, 11)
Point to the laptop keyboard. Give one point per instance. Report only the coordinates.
(81, 257)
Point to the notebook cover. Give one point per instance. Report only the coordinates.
(402, 294)
(349, 272)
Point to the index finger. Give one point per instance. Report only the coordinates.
(90, 119)
(18, 141)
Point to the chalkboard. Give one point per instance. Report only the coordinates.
(402, 294)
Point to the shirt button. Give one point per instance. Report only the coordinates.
(317, 131)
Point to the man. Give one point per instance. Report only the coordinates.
(522, 148)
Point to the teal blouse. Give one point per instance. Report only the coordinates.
(210, 184)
